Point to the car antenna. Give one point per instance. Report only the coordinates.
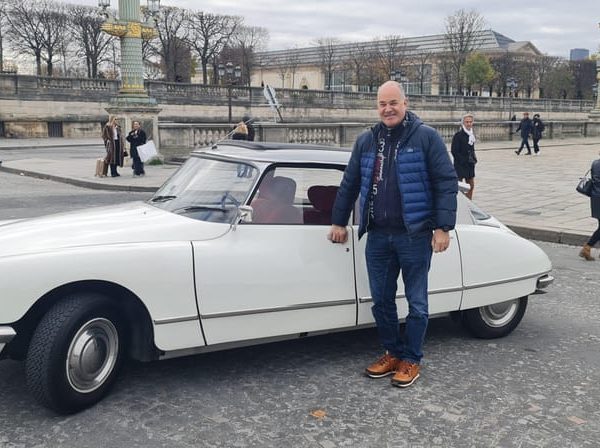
(230, 133)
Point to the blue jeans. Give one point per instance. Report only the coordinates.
(387, 255)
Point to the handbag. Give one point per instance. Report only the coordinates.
(585, 184)
(147, 151)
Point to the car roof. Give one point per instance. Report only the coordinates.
(273, 152)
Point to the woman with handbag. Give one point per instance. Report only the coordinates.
(114, 144)
(586, 250)
(463, 152)
(136, 137)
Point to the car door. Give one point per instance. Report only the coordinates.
(279, 275)
(445, 282)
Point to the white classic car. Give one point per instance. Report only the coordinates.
(231, 250)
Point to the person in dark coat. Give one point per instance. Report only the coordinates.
(136, 137)
(114, 144)
(240, 132)
(463, 152)
(586, 250)
(248, 122)
(525, 127)
(538, 128)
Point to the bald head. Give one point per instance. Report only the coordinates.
(391, 103)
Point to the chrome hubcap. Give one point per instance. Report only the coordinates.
(92, 355)
(499, 314)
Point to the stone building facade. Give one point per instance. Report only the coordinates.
(419, 62)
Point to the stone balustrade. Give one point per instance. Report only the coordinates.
(178, 139)
(84, 89)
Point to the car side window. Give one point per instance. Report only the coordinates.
(296, 195)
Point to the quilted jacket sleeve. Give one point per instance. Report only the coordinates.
(444, 182)
(349, 187)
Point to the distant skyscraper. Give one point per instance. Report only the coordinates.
(578, 54)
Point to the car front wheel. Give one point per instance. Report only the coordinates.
(495, 321)
(75, 353)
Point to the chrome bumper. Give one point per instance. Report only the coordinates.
(6, 335)
(543, 282)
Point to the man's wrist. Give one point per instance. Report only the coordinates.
(445, 228)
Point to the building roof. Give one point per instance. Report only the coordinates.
(488, 41)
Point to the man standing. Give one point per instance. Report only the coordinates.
(525, 126)
(408, 189)
(537, 129)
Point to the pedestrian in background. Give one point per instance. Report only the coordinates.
(248, 122)
(586, 250)
(525, 127)
(240, 132)
(463, 152)
(136, 137)
(114, 144)
(536, 133)
(408, 188)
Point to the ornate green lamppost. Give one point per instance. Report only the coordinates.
(132, 102)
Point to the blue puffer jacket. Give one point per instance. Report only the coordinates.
(426, 179)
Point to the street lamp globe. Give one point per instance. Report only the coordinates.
(153, 6)
(237, 71)
(221, 70)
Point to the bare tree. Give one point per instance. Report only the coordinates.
(392, 54)
(292, 60)
(357, 61)
(250, 39)
(328, 56)
(584, 77)
(3, 28)
(282, 70)
(173, 32)
(208, 35)
(545, 65)
(463, 36)
(90, 41)
(25, 30)
(505, 68)
(421, 70)
(444, 74)
(53, 19)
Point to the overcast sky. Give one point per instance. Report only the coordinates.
(554, 26)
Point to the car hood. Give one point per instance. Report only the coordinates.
(135, 222)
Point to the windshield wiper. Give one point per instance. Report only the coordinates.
(192, 208)
(162, 198)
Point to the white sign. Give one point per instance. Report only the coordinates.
(269, 93)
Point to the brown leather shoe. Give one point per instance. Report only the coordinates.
(406, 374)
(384, 366)
(586, 252)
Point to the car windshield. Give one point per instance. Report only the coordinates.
(206, 189)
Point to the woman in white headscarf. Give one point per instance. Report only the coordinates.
(463, 152)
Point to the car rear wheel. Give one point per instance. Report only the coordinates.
(495, 321)
(75, 353)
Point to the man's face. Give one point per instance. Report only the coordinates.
(136, 125)
(391, 105)
(525, 115)
(468, 122)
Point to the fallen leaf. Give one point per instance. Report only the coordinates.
(318, 413)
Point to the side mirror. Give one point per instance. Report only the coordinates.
(244, 215)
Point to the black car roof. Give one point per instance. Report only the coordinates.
(277, 152)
